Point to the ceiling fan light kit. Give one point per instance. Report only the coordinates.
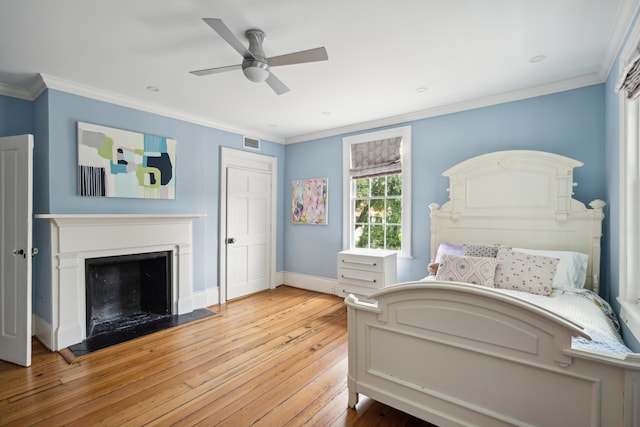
(255, 65)
(256, 71)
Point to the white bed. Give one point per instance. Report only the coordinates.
(462, 354)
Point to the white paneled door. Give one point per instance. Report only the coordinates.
(16, 166)
(248, 231)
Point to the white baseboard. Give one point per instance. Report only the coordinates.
(206, 298)
(311, 283)
(278, 279)
(42, 330)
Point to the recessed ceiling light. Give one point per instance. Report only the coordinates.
(537, 58)
(153, 89)
(422, 89)
(326, 113)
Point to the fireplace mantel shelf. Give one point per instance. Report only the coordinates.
(80, 216)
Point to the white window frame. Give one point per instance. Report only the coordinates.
(629, 286)
(347, 202)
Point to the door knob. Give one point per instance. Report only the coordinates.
(231, 240)
(19, 252)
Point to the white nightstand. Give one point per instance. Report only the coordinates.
(363, 271)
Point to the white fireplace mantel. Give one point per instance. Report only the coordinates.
(77, 237)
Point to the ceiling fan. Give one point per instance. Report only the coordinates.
(255, 65)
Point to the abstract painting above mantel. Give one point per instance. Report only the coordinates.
(120, 163)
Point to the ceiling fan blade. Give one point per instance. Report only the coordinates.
(216, 70)
(224, 32)
(311, 55)
(275, 84)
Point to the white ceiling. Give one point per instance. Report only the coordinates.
(466, 52)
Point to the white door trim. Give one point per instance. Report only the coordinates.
(230, 157)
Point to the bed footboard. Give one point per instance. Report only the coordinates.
(456, 354)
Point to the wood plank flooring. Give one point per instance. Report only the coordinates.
(276, 358)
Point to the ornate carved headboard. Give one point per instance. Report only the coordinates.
(522, 199)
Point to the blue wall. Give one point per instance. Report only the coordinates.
(570, 123)
(53, 119)
(16, 116)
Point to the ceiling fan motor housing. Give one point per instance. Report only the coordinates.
(255, 69)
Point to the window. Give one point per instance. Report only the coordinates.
(629, 297)
(377, 190)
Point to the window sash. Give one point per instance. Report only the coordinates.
(369, 223)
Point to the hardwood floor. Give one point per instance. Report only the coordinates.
(271, 359)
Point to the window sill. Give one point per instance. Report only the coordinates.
(630, 315)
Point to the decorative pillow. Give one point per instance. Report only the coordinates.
(481, 250)
(447, 248)
(525, 272)
(572, 268)
(476, 270)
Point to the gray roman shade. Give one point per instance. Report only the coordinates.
(629, 81)
(376, 158)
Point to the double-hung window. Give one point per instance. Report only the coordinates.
(377, 190)
(629, 87)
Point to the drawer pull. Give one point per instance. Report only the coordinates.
(358, 278)
(360, 262)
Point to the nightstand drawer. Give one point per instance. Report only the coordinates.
(360, 262)
(367, 279)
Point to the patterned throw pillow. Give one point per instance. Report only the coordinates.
(467, 269)
(481, 250)
(525, 272)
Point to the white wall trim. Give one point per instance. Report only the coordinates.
(42, 330)
(15, 92)
(624, 17)
(630, 315)
(278, 278)
(206, 298)
(311, 283)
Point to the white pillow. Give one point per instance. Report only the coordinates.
(571, 272)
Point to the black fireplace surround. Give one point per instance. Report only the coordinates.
(126, 291)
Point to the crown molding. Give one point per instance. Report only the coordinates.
(15, 92)
(517, 95)
(51, 82)
(624, 20)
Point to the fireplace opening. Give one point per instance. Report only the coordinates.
(126, 291)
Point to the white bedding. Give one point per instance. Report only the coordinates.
(588, 310)
(584, 308)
